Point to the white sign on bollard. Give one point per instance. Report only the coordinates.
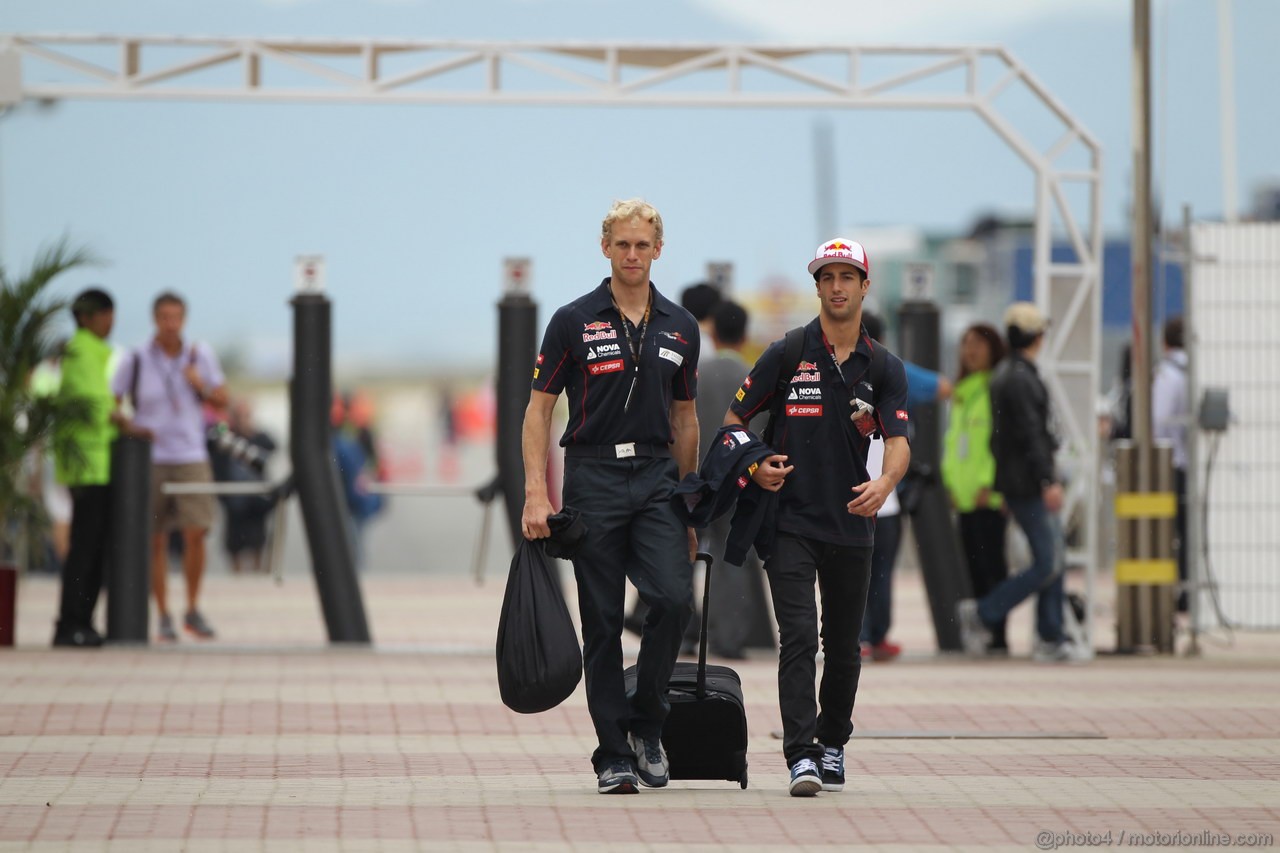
(917, 282)
(308, 273)
(720, 275)
(515, 275)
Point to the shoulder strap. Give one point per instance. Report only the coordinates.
(879, 356)
(792, 349)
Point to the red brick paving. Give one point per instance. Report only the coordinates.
(293, 749)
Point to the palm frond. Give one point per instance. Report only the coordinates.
(26, 320)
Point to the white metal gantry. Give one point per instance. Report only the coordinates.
(1068, 171)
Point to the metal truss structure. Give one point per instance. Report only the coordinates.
(1064, 157)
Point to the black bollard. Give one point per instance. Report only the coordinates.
(128, 572)
(946, 579)
(315, 472)
(517, 350)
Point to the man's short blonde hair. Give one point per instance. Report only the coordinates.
(632, 208)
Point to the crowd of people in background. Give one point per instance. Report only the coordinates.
(172, 391)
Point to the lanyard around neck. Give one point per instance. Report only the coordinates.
(831, 352)
(635, 351)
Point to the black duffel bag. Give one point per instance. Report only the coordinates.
(539, 658)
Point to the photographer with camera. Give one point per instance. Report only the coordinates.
(170, 381)
(239, 453)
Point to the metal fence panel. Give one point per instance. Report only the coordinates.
(1235, 345)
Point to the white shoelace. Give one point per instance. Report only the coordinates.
(804, 765)
(831, 761)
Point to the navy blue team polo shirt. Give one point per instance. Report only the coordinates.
(584, 353)
(815, 432)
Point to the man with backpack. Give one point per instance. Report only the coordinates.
(170, 380)
(831, 388)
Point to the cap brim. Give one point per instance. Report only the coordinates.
(818, 263)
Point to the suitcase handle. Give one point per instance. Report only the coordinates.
(706, 558)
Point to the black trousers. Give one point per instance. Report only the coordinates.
(982, 532)
(82, 571)
(842, 574)
(633, 533)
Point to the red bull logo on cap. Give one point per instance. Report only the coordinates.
(840, 250)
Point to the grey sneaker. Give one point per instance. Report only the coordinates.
(1064, 652)
(195, 625)
(166, 632)
(805, 779)
(974, 635)
(651, 761)
(618, 777)
(833, 768)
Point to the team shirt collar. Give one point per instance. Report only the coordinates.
(600, 302)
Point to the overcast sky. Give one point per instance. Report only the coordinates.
(414, 207)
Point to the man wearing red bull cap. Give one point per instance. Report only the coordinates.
(845, 388)
(626, 358)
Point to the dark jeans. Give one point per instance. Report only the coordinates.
(82, 572)
(632, 533)
(1043, 576)
(982, 532)
(875, 627)
(842, 574)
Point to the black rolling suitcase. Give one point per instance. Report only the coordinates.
(705, 734)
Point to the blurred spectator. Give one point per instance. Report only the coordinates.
(1120, 398)
(1170, 419)
(353, 468)
(448, 444)
(359, 425)
(701, 300)
(923, 386)
(1023, 445)
(169, 381)
(969, 468)
(733, 604)
(239, 453)
(87, 470)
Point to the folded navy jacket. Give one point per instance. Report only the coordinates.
(702, 497)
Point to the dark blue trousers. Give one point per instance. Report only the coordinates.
(632, 534)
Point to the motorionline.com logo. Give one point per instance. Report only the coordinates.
(1047, 840)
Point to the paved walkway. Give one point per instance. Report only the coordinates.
(267, 740)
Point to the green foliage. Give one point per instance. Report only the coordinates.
(27, 317)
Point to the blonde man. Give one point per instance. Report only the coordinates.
(626, 358)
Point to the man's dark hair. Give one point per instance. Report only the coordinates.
(1173, 333)
(730, 320)
(168, 297)
(90, 302)
(700, 300)
(874, 326)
